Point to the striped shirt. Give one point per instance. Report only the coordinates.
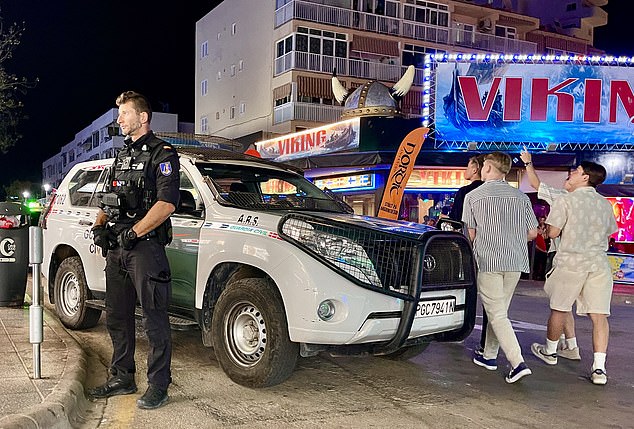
(502, 216)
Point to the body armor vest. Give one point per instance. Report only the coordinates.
(130, 180)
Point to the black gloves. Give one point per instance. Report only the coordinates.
(104, 237)
(127, 239)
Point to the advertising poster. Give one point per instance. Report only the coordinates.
(550, 103)
(622, 267)
(623, 209)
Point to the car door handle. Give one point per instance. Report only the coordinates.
(85, 222)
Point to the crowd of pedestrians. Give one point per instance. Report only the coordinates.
(573, 241)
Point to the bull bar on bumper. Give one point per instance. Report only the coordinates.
(398, 263)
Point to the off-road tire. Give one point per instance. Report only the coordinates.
(71, 293)
(250, 334)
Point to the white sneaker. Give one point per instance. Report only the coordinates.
(599, 377)
(539, 350)
(572, 354)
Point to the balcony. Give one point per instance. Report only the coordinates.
(345, 67)
(340, 17)
(296, 111)
(309, 112)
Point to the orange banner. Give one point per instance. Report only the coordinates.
(400, 172)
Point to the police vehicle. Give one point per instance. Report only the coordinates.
(270, 268)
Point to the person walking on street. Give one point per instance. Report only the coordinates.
(500, 220)
(134, 227)
(567, 347)
(472, 173)
(585, 221)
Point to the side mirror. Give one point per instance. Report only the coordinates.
(187, 204)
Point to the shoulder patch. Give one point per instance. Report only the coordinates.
(166, 168)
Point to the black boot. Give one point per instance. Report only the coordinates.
(116, 385)
(153, 397)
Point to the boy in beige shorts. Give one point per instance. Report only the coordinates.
(585, 221)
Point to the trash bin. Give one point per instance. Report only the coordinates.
(14, 253)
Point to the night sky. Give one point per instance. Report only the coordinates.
(85, 53)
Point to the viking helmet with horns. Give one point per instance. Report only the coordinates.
(373, 98)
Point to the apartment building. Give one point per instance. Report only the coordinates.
(99, 140)
(264, 68)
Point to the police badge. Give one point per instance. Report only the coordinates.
(166, 168)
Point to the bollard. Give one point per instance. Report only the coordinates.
(36, 315)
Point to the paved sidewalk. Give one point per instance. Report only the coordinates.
(56, 400)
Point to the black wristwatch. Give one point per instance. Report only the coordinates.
(130, 234)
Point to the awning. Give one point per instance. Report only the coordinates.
(282, 91)
(375, 46)
(516, 21)
(314, 87)
(425, 157)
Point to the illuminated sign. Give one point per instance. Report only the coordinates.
(356, 182)
(437, 178)
(552, 103)
(315, 141)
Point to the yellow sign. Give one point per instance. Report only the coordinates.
(400, 172)
(437, 178)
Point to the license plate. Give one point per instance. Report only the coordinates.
(439, 307)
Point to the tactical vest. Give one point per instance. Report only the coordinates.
(130, 180)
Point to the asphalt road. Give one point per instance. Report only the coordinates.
(439, 388)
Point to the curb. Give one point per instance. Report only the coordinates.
(64, 406)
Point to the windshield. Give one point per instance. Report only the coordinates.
(267, 189)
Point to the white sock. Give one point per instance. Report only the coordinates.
(562, 341)
(551, 346)
(599, 361)
(571, 343)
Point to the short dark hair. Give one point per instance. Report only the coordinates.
(141, 104)
(478, 160)
(596, 172)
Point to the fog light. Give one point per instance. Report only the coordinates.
(326, 310)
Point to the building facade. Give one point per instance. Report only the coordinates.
(263, 68)
(99, 140)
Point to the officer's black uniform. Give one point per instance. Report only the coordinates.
(145, 171)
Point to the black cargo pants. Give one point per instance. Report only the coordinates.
(141, 274)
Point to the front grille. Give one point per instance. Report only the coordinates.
(447, 261)
(383, 261)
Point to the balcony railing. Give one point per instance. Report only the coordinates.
(345, 67)
(296, 111)
(327, 114)
(340, 17)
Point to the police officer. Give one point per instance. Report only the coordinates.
(134, 227)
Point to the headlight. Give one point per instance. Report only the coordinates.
(341, 251)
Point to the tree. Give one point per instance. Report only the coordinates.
(11, 87)
(17, 188)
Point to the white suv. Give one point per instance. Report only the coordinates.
(270, 267)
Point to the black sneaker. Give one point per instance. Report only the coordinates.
(116, 385)
(517, 373)
(152, 398)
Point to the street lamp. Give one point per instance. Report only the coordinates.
(47, 188)
(26, 195)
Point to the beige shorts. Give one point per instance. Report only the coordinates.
(592, 291)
